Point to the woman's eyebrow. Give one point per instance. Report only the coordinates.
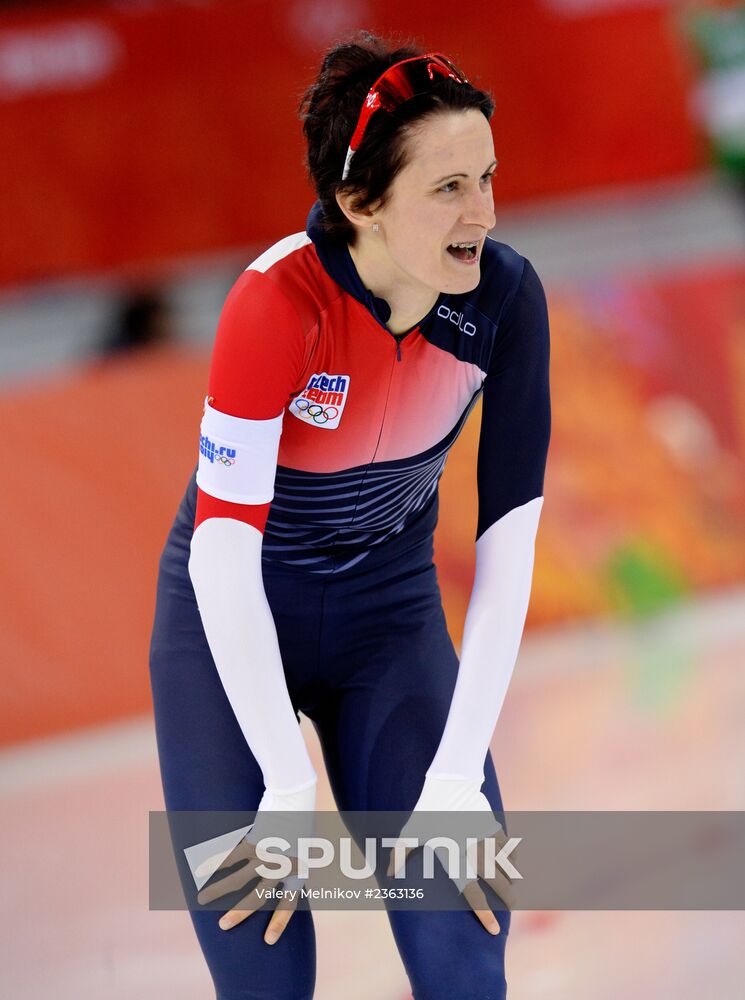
(448, 177)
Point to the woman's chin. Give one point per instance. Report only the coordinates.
(465, 279)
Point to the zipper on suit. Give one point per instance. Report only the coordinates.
(398, 337)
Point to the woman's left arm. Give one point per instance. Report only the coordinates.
(515, 432)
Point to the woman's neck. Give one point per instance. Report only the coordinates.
(409, 303)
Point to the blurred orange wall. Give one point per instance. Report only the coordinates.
(645, 501)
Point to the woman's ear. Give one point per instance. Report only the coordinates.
(361, 218)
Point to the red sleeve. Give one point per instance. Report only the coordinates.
(256, 359)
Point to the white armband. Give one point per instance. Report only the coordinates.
(238, 457)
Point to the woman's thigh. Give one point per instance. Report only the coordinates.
(207, 765)
(395, 669)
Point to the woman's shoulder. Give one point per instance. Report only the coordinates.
(502, 271)
(289, 271)
(282, 255)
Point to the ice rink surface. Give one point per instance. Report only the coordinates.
(588, 724)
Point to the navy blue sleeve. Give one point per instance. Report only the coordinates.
(516, 413)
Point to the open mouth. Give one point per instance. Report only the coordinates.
(465, 252)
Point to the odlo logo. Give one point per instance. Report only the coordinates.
(457, 318)
(322, 401)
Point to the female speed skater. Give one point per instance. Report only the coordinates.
(298, 574)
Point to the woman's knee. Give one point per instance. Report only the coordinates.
(450, 954)
(244, 967)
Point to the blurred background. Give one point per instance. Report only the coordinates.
(148, 152)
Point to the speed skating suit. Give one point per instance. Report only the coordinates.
(298, 576)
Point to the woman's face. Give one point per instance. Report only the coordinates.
(442, 197)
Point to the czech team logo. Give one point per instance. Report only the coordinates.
(322, 401)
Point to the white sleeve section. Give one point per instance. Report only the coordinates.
(238, 457)
(491, 639)
(280, 250)
(225, 569)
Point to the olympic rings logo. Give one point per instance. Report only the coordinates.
(315, 412)
(225, 460)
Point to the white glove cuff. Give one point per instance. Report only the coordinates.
(452, 793)
(290, 815)
(300, 799)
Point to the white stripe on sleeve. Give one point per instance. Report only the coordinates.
(225, 570)
(491, 639)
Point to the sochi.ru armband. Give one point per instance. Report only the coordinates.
(237, 456)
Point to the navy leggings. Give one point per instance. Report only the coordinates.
(368, 659)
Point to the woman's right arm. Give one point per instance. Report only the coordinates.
(257, 357)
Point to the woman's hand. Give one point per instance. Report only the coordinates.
(500, 883)
(287, 815)
(460, 795)
(257, 898)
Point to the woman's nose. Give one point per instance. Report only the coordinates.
(479, 210)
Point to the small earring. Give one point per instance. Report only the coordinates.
(376, 227)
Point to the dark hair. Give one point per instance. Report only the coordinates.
(329, 111)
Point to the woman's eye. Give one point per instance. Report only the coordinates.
(453, 185)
